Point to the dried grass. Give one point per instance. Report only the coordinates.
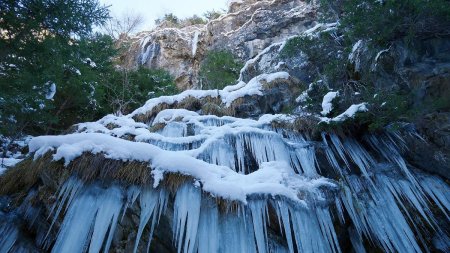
(173, 181)
(227, 206)
(28, 173)
(156, 127)
(150, 115)
(49, 175)
(134, 173)
(213, 109)
(190, 103)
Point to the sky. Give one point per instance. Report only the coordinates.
(153, 9)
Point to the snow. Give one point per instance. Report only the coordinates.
(172, 114)
(51, 92)
(263, 168)
(150, 104)
(283, 178)
(6, 163)
(253, 87)
(303, 97)
(255, 59)
(349, 113)
(90, 62)
(275, 178)
(228, 95)
(280, 64)
(354, 55)
(327, 105)
(319, 28)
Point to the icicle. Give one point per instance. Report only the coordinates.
(195, 42)
(132, 194)
(148, 202)
(359, 156)
(438, 191)
(174, 129)
(356, 240)
(9, 234)
(160, 208)
(275, 247)
(326, 225)
(186, 217)
(380, 218)
(65, 196)
(208, 227)
(259, 209)
(307, 159)
(109, 206)
(340, 210)
(283, 212)
(94, 208)
(389, 151)
(237, 234)
(330, 156)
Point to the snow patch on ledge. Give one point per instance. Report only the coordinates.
(327, 105)
(228, 95)
(349, 113)
(272, 178)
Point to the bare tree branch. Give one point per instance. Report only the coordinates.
(124, 25)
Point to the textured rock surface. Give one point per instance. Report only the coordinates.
(247, 28)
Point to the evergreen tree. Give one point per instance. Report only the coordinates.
(50, 63)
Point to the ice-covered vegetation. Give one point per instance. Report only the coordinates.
(258, 170)
(188, 172)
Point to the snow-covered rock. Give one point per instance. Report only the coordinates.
(246, 30)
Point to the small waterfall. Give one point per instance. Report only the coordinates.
(149, 52)
(195, 42)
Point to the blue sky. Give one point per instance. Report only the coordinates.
(153, 9)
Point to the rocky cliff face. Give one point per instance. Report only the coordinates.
(248, 168)
(246, 29)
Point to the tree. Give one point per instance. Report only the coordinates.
(210, 15)
(124, 25)
(219, 69)
(128, 89)
(46, 66)
(169, 18)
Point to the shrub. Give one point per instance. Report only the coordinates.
(379, 24)
(219, 69)
(169, 18)
(194, 20)
(386, 21)
(210, 15)
(128, 90)
(325, 51)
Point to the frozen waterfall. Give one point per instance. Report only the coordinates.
(250, 188)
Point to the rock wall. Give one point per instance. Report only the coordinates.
(246, 29)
